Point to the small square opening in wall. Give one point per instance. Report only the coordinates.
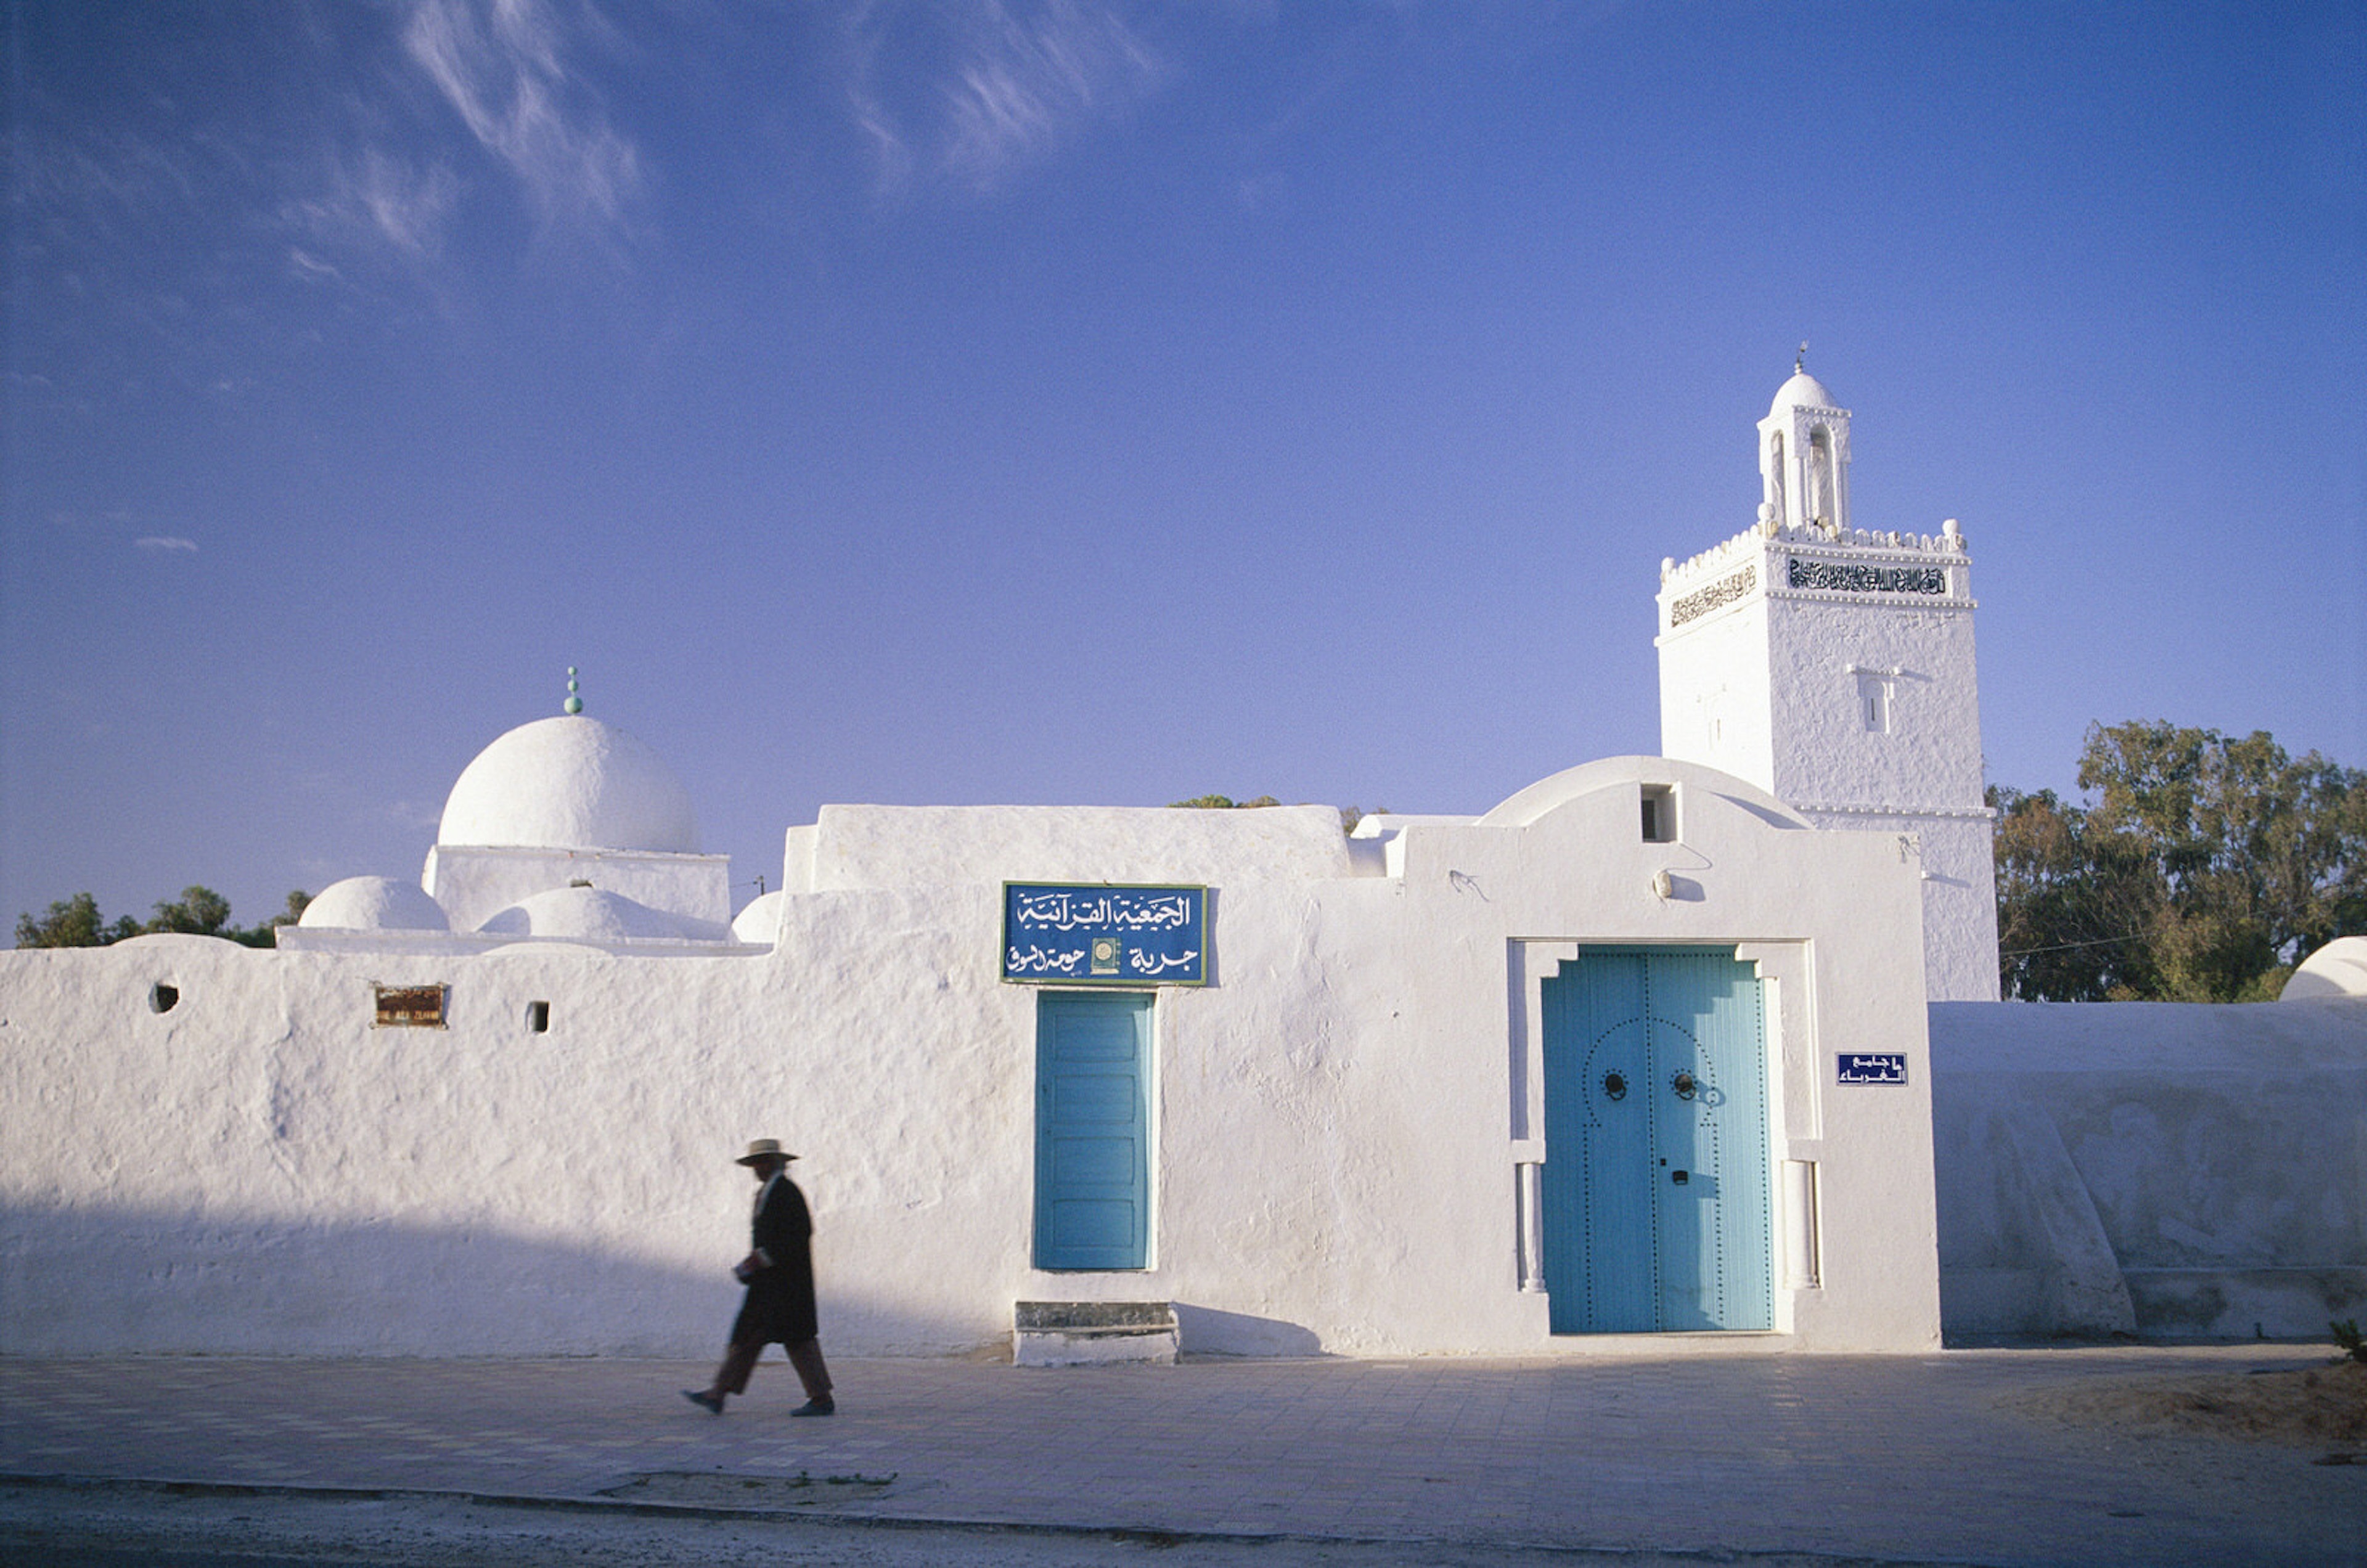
(537, 1017)
(1659, 814)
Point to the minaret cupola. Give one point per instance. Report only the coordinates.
(1804, 456)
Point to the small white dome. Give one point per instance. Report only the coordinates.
(759, 923)
(570, 782)
(374, 904)
(584, 914)
(2338, 969)
(1802, 392)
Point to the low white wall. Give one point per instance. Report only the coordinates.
(2162, 1170)
(260, 1169)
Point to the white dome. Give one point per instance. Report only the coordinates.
(374, 904)
(1802, 392)
(570, 782)
(2338, 969)
(759, 922)
(584, 914)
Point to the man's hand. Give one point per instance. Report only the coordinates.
(749, 1266)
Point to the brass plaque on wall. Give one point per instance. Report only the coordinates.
(408, 1006)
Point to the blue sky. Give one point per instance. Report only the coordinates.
(1114, 403)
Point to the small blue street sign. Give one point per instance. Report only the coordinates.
(1872, 1066)
(1056, 934)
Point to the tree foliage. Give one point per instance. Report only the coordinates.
(73, 922)
(198, 911)
(2202, 867)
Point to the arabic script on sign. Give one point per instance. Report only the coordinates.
(1105, 936)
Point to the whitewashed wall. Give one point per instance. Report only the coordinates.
(2171, 1172)
(259, 1169)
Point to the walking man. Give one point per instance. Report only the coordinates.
(779, 1308)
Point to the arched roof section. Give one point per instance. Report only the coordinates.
(1547, 795)
(585, 914)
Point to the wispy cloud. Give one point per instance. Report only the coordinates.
(377, 200)
(502, 66)
(976, 88)
(164, 544)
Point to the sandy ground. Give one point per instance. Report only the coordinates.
(121, 1526)
(2316, 1407)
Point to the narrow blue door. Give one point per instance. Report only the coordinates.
(1709, 1175)
(1093, 1131)
(1654, 1190)
(1602, 1272)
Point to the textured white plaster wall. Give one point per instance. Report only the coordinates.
(1959, 866)
(259, 1169)
(1824, 753)
(2175, 1171)
(1715, 708)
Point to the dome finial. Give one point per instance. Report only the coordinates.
(1800, 368)
(573, 702)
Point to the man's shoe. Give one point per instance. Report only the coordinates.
(710, 1403)
(825, 1406)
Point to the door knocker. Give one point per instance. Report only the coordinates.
(1614, 1085)
(1684, 1085)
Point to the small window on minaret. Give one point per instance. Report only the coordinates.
(1659, 814)
(1874, 701)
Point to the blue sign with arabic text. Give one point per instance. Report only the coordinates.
(1101, 935)
(1872, 1066)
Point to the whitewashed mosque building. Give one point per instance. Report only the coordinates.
(1648, 1058)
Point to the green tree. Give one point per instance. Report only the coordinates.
(2205, 867)
(2076, 907)
(266, 934)
(198, 911)
(73, 922)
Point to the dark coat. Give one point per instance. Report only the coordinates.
(779, 1308)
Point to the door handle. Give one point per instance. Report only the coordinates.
(1680, 1177)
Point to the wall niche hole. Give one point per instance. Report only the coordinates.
(537, 1017)
(163, 998)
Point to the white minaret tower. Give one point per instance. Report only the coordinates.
(1833, 667)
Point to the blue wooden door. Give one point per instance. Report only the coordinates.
(1655, 1190)
(1093, 1131)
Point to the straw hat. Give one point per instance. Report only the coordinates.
(764, 1148)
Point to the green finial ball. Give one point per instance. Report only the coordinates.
(573, 702)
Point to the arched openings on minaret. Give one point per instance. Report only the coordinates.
(1821, 488)
(1807, 485)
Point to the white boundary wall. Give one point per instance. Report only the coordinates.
(2173, 1171)
(1340, 1122)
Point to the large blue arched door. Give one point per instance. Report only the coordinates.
(1654, 1187)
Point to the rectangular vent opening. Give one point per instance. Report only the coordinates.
(1659, 814)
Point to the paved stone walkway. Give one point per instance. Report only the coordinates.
(1893, 1459)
